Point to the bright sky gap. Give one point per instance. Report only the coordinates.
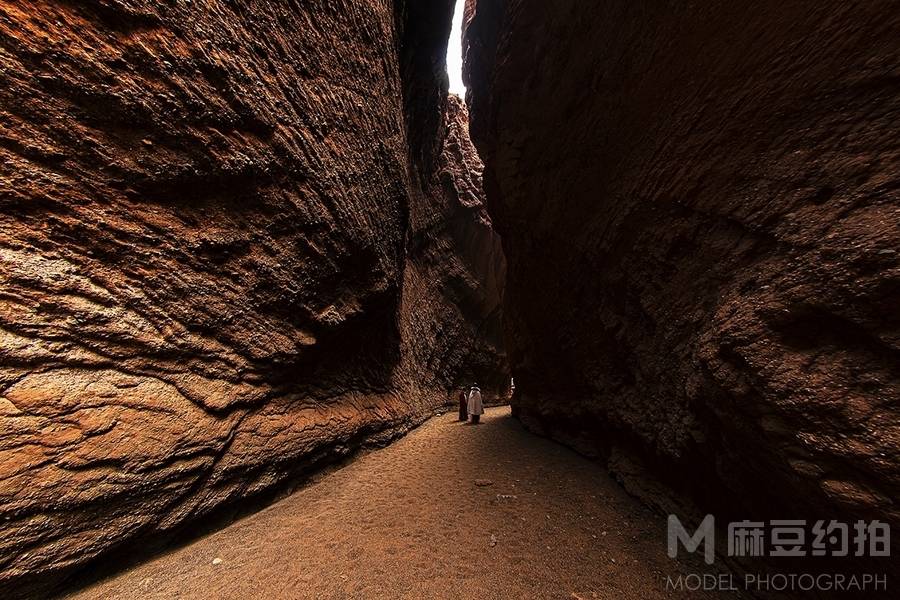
(454, 52)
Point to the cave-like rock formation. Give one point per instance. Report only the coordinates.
(228, 228)
(699, 207)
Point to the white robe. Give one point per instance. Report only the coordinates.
(475, 405)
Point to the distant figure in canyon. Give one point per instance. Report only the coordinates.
(463, 408)
(476, 407)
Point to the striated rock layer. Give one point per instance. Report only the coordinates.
(700, 208)
(456, 256)
(219, 249)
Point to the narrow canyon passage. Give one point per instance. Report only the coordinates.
(241, 241)
(410, 521)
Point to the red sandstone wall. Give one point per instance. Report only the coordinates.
(205, 210)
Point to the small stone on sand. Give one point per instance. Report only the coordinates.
(483, 482)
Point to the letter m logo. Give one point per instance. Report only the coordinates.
(705, 534)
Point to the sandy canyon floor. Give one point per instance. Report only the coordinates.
(449, 511)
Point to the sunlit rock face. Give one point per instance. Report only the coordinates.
(699, 208)
(207, 271)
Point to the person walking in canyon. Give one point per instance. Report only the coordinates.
(463, 406)
(475, 405)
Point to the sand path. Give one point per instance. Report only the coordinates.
(409, 521)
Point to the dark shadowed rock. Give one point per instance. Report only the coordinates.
(699, 208)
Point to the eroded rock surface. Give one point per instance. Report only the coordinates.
(206, 285)
(457, 263)
(699, 207)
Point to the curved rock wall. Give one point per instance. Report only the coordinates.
(206, 208)
(699, 207)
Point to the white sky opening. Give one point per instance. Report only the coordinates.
(454, 52)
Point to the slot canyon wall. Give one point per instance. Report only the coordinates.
(456, 255)
(700, 211)
(237, 243)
